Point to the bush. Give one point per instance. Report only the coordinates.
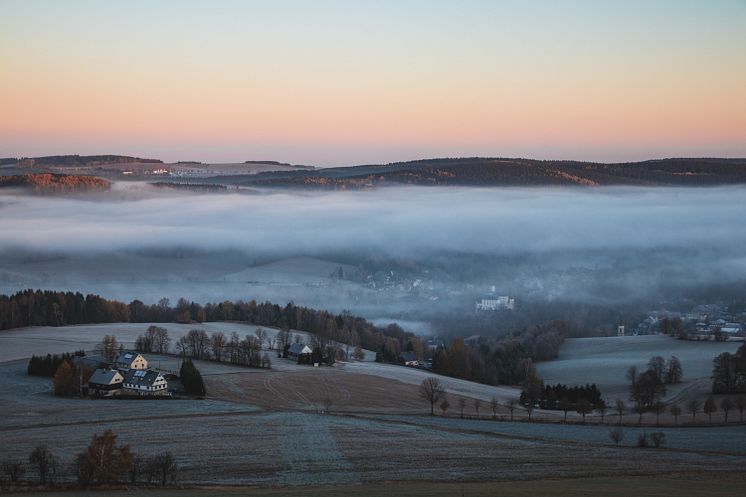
(642, 440)
(616, 435)
(657, 438)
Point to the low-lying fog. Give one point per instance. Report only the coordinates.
(381, 253)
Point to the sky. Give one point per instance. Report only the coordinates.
(351, 82)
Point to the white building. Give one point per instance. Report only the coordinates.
(495, 304)
(144, 382)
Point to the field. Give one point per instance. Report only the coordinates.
(268, 429)
(689, 485)
(605, 361)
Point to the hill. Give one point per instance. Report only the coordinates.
(75, 160)
(48, 182)
(510, 172)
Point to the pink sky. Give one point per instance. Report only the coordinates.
(339, 84)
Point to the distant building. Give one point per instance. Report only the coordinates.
(144, 382)
(299, 349)
(409, 359)
(130, 360)
(502, 302)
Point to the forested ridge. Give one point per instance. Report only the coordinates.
(477, 171)
(75, 160)
(50, 308)
(50, 182)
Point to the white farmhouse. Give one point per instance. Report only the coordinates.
(144, 382)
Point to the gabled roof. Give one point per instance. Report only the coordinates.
(105, 377)
(126, 357)
(299, 348)
(408, 356)
(91, 361)
(141, 377)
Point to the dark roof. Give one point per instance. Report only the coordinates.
(103, 377)
(141, 377)
(92, 361)
(126, 357)
(297, 348)
(408, 356)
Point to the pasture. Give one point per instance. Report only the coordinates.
(605, 360)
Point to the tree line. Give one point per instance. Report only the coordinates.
(103, 462)
(508, 361)
(47, 365)
(564, 398)
(729, 372)
(49, 308)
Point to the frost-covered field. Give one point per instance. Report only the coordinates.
(232, 441)
(604, 361)
(414, 376)
(22, 343)
(730, 439)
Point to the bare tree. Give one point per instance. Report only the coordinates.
(431, 390)
(616, 435)
(529, 410)
(584, 407)
(658, 408)
(601, 407)
(693, 408)
(741, 405)
(620, 409)
(640, 411)
(261, 335)
(511, 405)
(217, 341)
(44, 462)
(657, 364)
(632, 375)
(162, 342)
(162, 468)
(477, 405)
(726, 405)
(13, 471)
(461, 406)
(108, 347)
(493, 407)
(444, 405)
(710, 407)
(675, 412)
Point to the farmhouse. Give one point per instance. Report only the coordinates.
(144, 382)
(105, 383)
(298, 349)
(410, 359)
(130, 360)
